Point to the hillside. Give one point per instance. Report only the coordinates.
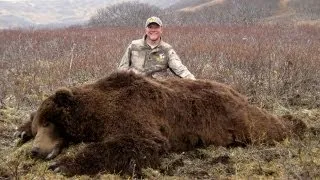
(248, 11)
(200, 6)
(35, 12)
(178, 12)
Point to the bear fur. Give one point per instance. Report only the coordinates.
(129, 122)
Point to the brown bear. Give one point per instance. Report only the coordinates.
(129, 122)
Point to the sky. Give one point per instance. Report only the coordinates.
(20, 13)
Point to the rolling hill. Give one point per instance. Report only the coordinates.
(68, 12)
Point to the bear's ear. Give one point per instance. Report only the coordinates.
(63, 97)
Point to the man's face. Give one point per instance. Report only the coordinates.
(154, 31)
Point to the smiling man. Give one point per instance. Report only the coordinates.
(150, 56)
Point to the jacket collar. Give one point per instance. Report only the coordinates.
(146, 44)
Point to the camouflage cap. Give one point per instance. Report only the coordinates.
(153, 19)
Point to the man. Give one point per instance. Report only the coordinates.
(150, 56)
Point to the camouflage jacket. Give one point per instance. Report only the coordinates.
(142, 59)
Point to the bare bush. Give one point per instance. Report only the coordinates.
(268, 63)
(189, 13)
(125, 14)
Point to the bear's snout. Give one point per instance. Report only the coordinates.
(47, 143)
(35, 152)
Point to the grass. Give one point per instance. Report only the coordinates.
(277, 67)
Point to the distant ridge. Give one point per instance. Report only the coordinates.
(60, 13)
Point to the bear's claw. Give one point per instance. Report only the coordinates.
(53, 153)
(58, 168)
(55, 167)
(19, 134)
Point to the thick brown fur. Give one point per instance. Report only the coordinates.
(130, 121)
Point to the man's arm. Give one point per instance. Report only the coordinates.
(177, 67)
(125, 60)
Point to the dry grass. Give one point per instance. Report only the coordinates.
(277, 67)
(267, 63)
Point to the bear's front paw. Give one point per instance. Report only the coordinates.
(58, 167)
(65, 166)
(22, 136)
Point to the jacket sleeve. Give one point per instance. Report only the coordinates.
(177, 67)
(126, 59)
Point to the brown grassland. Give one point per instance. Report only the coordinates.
(276, 66)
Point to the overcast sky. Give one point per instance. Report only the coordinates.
(18, 13)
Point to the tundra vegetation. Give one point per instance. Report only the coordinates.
(276, 65)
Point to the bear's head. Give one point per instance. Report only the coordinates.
(46, 128)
